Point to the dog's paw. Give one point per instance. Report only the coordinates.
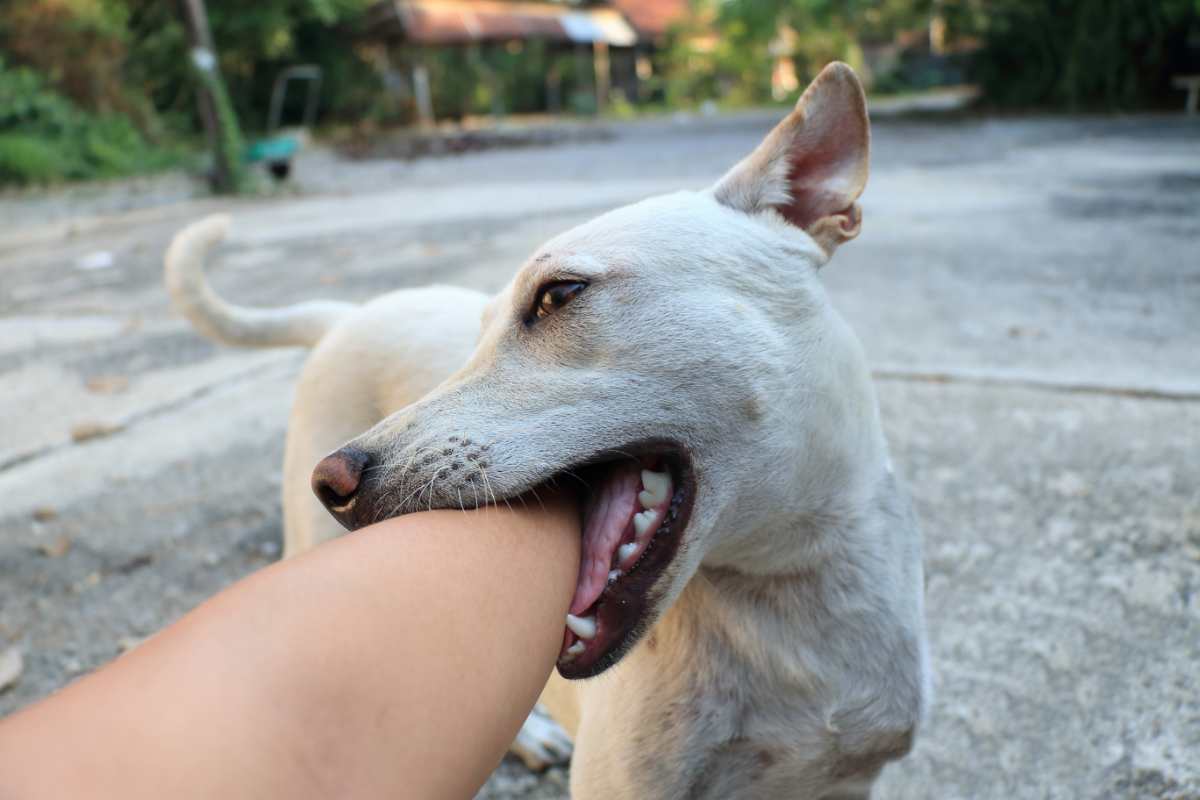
(541, 742)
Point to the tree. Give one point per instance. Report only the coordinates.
(1098, 54)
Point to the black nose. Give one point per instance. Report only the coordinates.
(336, 480)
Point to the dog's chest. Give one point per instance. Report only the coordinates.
(680, 726)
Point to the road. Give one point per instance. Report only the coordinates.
(1028, 291)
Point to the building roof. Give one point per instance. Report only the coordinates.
(441, 22)
(652, 18)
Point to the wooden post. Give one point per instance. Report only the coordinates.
(603, 74)
(220, 127)
(422, 95)
(582, 65)
(553, 86)
(937, 29)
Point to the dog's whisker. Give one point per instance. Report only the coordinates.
(427, 488)
(400, 486)
(568, 473)
(488, 485)
(379, 505)
(628, 455)
(397, 462)
(402, 466)
(410, 496)
(431, 486)
(488, 494)
(538, 497)
(394, 463)
(403, 471)
(413, 455)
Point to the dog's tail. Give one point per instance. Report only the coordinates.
(302, 324)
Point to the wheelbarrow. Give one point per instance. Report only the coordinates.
(279, 147)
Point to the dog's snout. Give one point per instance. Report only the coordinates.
(336, 478)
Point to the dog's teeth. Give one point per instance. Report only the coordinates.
(626, 551)
(654, 488)
(613, 575)
(576, 648)
(642, 521)
(583, 627)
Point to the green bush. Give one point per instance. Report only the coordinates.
(45, 138)
(24, 101)
(1102, 54)
(27, 159)
(110, 146)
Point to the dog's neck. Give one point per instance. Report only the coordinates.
(834, 535)
(821, 481)
(791, 596)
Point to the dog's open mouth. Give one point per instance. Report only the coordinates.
(635, 511)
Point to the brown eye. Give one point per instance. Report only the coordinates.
(553, 296)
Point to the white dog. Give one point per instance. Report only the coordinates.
(751, 585)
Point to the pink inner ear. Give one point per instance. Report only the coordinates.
(827, 157)
(819, 177)
(813, 166)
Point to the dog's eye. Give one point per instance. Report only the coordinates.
(553, 296)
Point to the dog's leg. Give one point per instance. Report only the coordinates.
(541, 742)
(546, 737)
(562, 699)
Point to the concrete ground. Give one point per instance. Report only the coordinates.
(1028, 291)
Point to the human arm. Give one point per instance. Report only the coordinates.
(398, 661)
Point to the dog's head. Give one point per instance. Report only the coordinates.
(675, 358)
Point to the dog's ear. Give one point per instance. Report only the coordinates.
(813, 166)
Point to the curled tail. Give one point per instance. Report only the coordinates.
(302, 324)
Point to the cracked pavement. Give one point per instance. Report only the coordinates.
(1028, 291)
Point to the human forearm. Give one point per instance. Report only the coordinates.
(381, 664)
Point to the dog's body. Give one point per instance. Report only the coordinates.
(768, 637)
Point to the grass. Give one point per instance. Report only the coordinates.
(87, 153)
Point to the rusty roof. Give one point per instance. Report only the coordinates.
(652, 18)
(443, 22)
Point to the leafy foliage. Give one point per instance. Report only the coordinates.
(726, 49)
(28, 159)
(255, 41)
(45, 137)
(1100, 54)
(113, 77)
(101, 87)
(1068, 54)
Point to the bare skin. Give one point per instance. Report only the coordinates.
(396, 662)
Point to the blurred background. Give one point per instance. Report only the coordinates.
(1027, 286)
(102, 88)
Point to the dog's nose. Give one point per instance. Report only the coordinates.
(336, 478)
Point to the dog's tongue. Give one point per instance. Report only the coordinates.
(608, 516)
